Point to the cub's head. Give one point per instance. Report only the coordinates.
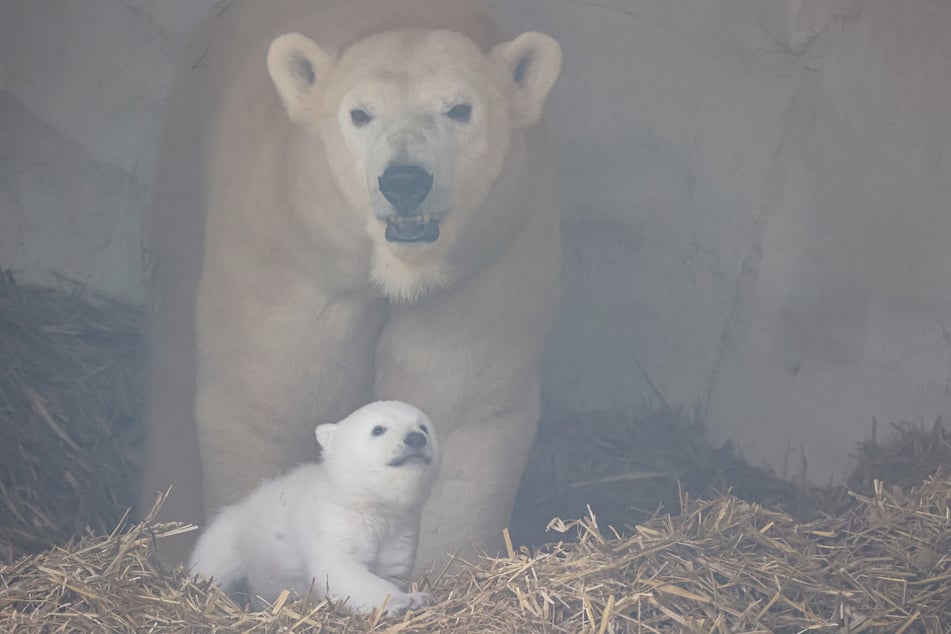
(416, 126)
(384, 453)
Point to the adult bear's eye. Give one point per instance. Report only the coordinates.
(379, 430)
(461, 113)
(360, 117)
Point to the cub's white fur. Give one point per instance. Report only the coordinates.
(347, 525)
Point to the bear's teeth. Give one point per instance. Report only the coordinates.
(421, 219)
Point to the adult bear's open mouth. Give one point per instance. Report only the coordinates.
(422, 228)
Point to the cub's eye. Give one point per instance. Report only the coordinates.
(379, 430)
(460, 113)
(360, 117)
(425, 429)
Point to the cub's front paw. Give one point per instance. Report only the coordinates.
(400, 603)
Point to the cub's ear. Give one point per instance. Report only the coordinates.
(296, 65)
(325, 435)
(534, 61)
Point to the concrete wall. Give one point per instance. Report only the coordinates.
(757, 196)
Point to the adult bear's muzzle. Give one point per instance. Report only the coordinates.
(405, 187)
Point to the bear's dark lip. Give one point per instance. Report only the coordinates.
(411, 458)
(407, 229)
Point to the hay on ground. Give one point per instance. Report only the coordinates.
(720, 566)
(628, 468)
(71, 393)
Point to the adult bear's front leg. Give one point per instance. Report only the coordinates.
(472, 501)
(270, 369)
(477, 379)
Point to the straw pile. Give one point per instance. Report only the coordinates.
(910, 453)
(720, 566)
(873, 560)
(71, 392)
(628, 468)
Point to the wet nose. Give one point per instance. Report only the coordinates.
(415, 440)
(405, 187)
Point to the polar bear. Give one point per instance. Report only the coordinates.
(354, 203)
(346, 526)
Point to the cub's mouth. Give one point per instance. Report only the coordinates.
(422, 228)
(413, 458)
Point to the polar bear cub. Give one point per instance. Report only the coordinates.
(346, 526)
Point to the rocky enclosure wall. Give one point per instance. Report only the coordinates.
(757, 196)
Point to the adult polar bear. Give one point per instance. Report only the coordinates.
(366, 216)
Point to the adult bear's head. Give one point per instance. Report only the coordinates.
(417, 127)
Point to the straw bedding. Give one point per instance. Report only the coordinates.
(70, 396)
(768, 555)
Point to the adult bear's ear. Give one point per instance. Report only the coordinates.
(325, 435)
(297, 65)
(534, 61)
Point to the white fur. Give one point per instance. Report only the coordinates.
(346, 526)
(278, 300)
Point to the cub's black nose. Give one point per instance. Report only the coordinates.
(405, 187)
(415, 440)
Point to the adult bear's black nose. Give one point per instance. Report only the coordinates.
(405, 187)
(415, 440)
